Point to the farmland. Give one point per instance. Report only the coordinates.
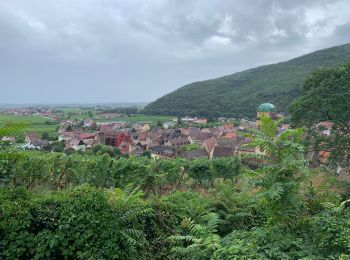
(41, 124)
(140, 118)
(82, 113)
(37, 124)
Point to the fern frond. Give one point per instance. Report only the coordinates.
(188, 239)
(255, 134)
(255, 156)
(213, 222)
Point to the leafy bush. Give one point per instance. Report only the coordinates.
(201, 240)
(83, 222)
(263, 243)
(330, 232)
(181, 205)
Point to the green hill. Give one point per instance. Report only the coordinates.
(239, 94)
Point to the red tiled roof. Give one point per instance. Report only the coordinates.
(86, 136)
(88, 141)
(230, 136)
(228, 127)
(143, 136)
(105, 128)
(323, 156)
(209, 144)
(32, 137)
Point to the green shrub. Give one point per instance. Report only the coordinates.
(330, 232)
(263, 243)
(83, 222)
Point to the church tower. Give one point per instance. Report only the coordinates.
(265, 110)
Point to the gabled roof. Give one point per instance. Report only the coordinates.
(222, 151)
(179, 141)
(32, 137)
(106, 128)
(209, 144)
(185, 131)
(88, 141)
(200, 153)
(143, 136)
(228, 143)
(153, 144)
(203, 136)
(194, 131)
(86, 136)
(75, 142)
(145, 142)
(162, 149)
(8, 138)
(229, 136)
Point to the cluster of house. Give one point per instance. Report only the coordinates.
(33, 141)
(39, 111)
(21, 111)
(222, 141)
(166, 142)
(134, 139)
(76, 140)
(115, 134)
(109, 115)
(188, 119)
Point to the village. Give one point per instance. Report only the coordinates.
(191, 139)
(186, 137)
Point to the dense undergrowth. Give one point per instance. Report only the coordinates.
(96, 223)
(58, 206)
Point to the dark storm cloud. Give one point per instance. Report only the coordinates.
(133, 50)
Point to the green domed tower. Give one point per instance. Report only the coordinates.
(267, 107)
(267, 110)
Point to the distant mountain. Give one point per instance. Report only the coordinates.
(239, 94)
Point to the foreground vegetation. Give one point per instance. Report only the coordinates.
(90, 222)
(59, 206)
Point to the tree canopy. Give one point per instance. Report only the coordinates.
(325, 98)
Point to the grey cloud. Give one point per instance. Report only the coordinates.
(134, 50)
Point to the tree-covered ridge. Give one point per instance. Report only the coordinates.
(239, 94)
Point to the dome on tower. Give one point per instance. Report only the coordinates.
(266, 107)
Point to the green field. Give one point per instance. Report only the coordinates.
(80, 114)
(36, 124)
(139, 118)
(75, 113)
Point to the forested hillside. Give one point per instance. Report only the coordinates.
(239, 94)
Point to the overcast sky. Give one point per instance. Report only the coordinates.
(62, 51)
